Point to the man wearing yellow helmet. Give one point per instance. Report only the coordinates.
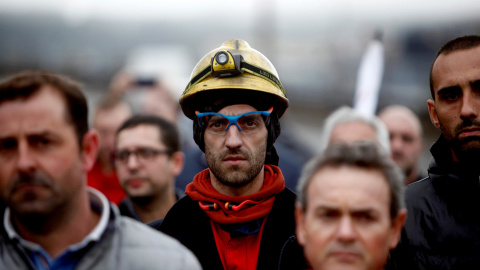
(237, 213)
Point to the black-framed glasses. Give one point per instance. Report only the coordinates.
(144, 154)
(249, 122)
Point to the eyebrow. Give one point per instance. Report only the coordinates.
(448, 89)
(45, 133)
(325, 208)
(444, 90)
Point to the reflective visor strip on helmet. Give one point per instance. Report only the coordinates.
(245, 66)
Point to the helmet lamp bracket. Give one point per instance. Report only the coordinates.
(224, 64)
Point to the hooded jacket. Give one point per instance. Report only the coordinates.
(442, 230)
(188, 223)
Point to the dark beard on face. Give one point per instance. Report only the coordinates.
(467, 150)
(408, 171)
(35, 178)
(145, 200)
(36, 220)
(234, 177)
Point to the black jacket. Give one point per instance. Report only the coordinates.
(188, 223)
(442, 230)
(128, 210)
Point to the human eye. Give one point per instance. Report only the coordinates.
(145, 153)
(364, 217)
(250, 122)
(476, 86)
(40, 142)
(407, 138)
(450, 94)
(7, 146)
(122, 155)
(328, 215)
(217, 123)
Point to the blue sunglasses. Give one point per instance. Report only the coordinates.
(219, 125)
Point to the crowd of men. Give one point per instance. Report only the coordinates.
(106, 197)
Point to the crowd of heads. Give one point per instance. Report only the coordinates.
(350, 206)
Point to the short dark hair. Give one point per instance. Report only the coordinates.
(25, 84)
(365, 155)
(457, 44)
(168, 131)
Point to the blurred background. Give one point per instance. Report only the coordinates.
(316, 46)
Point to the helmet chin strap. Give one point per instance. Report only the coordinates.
(272, 157)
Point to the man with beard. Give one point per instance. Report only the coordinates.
(147, 160)
(406, 140)
(53, 220)
(237, 213)
(442, 230)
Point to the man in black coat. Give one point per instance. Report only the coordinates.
(442, 230)
(237, 213)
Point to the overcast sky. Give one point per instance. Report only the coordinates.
(368, 11)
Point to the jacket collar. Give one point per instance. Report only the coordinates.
(443, 163)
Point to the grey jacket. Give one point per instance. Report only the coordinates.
(125, 244)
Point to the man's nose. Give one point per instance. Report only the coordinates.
(133, 161)
(396, 143)
(26, 161)
(470, 105)
(346, 230)
(233, 137)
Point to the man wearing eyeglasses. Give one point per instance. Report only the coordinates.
(237, 213)
(147, 160)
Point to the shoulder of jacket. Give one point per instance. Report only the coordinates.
(138, 235)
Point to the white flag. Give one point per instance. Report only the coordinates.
(369, 77)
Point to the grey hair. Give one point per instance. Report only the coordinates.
(365, 155)
(345, 115)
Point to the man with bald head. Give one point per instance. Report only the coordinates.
(406, 139)
(346, 125)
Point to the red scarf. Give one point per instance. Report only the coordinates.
(246, 208)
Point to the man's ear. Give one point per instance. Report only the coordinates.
(433, 113)
(178, 161)
(300, 224)
(397, 225)
(89, 149)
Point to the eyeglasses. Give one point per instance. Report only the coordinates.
(247, 123)
(142, 154)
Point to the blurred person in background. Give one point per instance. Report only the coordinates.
(443, 231)
(406, 139)
(148, 95)
(110, 112)
(350, 207)
(348, 125)
(53, 220)
(147, 160)
(237, 213)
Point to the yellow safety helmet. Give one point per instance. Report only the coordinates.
(234, 66)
